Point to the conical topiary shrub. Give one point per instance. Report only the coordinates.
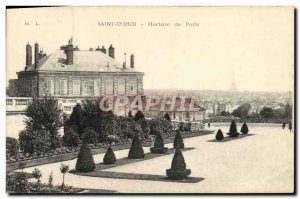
(136, 150)
(244, 128)
(85, 161)
(232, 130)
(158, 145)
(219, 135)
(109, 157)
(178, 141)
(178, 169)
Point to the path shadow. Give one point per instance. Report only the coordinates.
(227, 139)
(137, 176)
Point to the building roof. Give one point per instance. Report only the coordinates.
(87, 61)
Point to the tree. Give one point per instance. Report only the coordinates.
(91, 115)
(44, 114)
(109, 157)
(37, 175)
(71, 138)
(158, 145)
(178, 169)
(233, 130)
(85, 161)
(64, 168)
(76, 119)
(12, 148)
(267, 113)
(242, 111)
(219, 135)
(89, 136)
(178, 141)
(139, 115)
(50, 180)
(288, 111)
(111, 127)
(136, 150)
(167, 116)
(35, 141)
(21, 183)
(225, 113)
(244, 128)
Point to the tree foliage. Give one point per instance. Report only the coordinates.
(242, 111)
(89, 136)
(139, 115)
(44, 115)
(71, 138)
(267, 113)
(35, 141)
(76, 119)
(167, 116)
(12, 148)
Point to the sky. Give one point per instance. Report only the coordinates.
(257, 43)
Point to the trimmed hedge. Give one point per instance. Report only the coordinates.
(178, 169)
(233, 130)
(244, 128)
(85, 161)
(219, 135)
(136, 150)
(178, 141)
(109, 157)
(158, 145)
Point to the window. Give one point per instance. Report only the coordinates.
(109, 87)
(64, 87)
(84, 88)
(174, 115)
(121, 86)
(133, 90)
(56, 91)
(90, 87)
(70, 89)
(76, 87)
(187, 116)
(50, 86)
(97, 87)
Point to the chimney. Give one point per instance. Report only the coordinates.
(41, 54)
(36, 55)
(111, 52)
(103, 50)
(28, 55)
(69, 53)
(132, 61)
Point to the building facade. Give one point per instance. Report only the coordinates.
(73, 73)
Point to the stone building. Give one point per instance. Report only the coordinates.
(73, 73)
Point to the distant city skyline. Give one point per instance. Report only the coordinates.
(257, 42)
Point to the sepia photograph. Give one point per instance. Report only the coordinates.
(150, 100)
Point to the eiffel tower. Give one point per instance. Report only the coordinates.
(233, 87)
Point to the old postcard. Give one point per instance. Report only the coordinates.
(176, 100)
